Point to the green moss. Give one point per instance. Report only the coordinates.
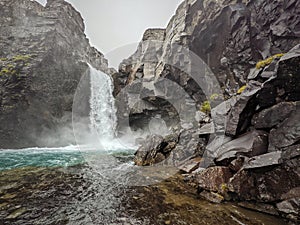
(5, 70)
(23, 58)
(268, 61)
(240, 91)
(3, 59)
(205, 107)
(224, 187)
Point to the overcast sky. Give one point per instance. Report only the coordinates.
(111, 24)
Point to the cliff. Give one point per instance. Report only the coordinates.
(245, 144)
(229, 36)
(44, 52)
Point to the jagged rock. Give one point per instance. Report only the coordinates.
(148, 151)
(172, 150)
(265, 160)
(250, 144)
(45, 51)
(266, 184)
(291, 208)
(283, 85)
(190, 165)
(287, 133)
(239, 116)
(290, 152)
(190, 144)
(213, 178)
(273, 116)
(238, 163)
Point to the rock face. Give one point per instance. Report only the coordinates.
(230, 36)
(253, 49)
(44, 52)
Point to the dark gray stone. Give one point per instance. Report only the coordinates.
(265, 160)
(287, 133)
(273, 116)
(250, 144)
(239, 116)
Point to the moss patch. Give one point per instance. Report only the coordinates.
(264, 63)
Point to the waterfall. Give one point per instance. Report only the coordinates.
(103, 118)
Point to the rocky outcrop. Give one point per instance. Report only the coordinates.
(230, 37)
(44, 53)
(252, 47)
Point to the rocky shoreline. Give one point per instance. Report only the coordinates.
(257, 164)
(246, 148)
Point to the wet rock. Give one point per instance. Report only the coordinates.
(287, 133)
(273, 116)
(293, 193)
(213, 178)
(190, 144)
(250, 144)
(147, 153)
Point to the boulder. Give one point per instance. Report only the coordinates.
(213, 178)
(190, 144)
(273, 116)
(148, 151)
(287, 133)
(250, 144)
(291, 208)
(265, 160)
(268, 184)
(242, 111)
(190, 165)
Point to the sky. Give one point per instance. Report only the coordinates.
(115, 27)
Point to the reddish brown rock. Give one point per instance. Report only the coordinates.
(213, 178)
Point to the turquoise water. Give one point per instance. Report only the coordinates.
(53, 157)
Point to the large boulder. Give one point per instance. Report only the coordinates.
(242, 111)
(287, 133)
(250, 144)
(273, 116)
(213, 178)
(269, 184)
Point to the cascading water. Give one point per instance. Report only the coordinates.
(103, 118)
